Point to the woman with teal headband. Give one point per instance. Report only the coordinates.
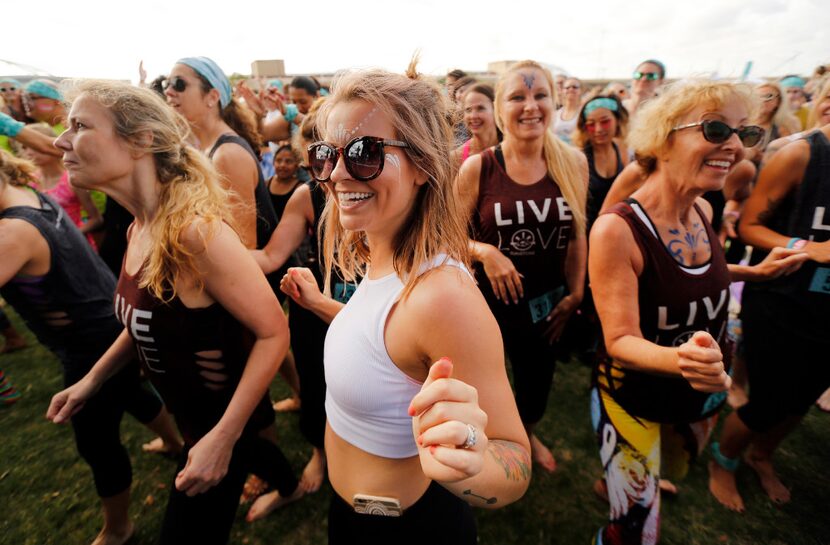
(43, 102)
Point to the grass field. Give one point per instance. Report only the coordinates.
(47, 495)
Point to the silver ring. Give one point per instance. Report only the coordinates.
(471, 437)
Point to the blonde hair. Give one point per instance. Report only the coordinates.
(16, 171)
(655, 120)
(822, 93)
(782, 117)
(420, 114)
(562, 161)
(189, 185)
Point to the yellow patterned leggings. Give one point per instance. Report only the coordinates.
(635, 453)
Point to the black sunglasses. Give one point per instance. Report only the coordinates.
(177, 83)
(362, 156)
(650, 76)
(4, 89)
(718, 132)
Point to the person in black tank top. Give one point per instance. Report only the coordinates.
(528, 236)
(302, 216)
(661, 286)
(63, 291)
(207, 328)
(784, 319)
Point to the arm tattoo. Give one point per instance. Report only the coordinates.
(691, 239)
(488, 501)
(513, 459)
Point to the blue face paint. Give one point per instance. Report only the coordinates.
(529, 79)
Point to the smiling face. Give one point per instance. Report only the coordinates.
(93, 153)
(381, 206)
(601, 126)
(526, 104)
(822, 107)
(703, 164)
(572, 89)
(285, 164)
(192, 102)
(478, 113)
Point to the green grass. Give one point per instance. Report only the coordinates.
(47, 495)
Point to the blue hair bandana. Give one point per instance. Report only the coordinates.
(209, 70)
(12, 81)
(793, 81)
(44, 88)
(601, 102)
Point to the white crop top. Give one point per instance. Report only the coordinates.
(367, 395)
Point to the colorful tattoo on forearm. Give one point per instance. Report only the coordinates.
(513, 459)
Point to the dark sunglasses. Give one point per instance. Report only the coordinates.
(718, 132)
(650, 76)
(362, 156)
(5, 89)
(769, 96)
(177, 83)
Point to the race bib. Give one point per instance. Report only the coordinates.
(821, 281)
(343, 292)
(541, 306)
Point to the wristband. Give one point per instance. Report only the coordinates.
(291, 112)
(793, 241)
(9, 126)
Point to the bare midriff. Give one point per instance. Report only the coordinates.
(355, 471)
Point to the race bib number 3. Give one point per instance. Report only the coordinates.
(821, 281)
(541, 306)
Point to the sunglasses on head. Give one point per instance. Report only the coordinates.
(176, 83)
(5, 89)
(650, 76)
(363, 157)
(718, 132)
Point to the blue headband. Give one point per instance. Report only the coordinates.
(276, 83)
(792, 81)
(602, 102)
(209, 70)
(10, 80)
(44, 88)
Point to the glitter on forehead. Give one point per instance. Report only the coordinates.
(393, 159)
(342, 135)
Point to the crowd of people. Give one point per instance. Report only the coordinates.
(419, 237)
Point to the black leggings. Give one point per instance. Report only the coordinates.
(207, 518)
(97, 427)
(308, 337)
(787, 371)
(533, 362)
(438, 517)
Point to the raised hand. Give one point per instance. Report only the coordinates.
(448, 425)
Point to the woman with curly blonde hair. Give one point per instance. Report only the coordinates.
(660, 283)
(194, 305)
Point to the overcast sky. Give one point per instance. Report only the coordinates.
(587, 38)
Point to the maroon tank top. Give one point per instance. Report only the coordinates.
(530, 224)
(675, 302)
(193, 356)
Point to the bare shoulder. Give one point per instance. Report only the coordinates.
(446, 295)
(706, 207)
(201, 235)
(470, 171)
(611, 233)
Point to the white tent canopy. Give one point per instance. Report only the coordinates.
(11, 68)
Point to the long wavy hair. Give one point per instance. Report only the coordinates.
(16, 171)
(562, 161)
(189, 185)
(421, 116)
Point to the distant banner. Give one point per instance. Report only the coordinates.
(747, 69)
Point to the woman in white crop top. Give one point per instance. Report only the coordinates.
(420, 411)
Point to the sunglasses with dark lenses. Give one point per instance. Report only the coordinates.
(6, 89)
(362, 156)
(177, 84)
(650, 76)
(718, 132)
(768, 96)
